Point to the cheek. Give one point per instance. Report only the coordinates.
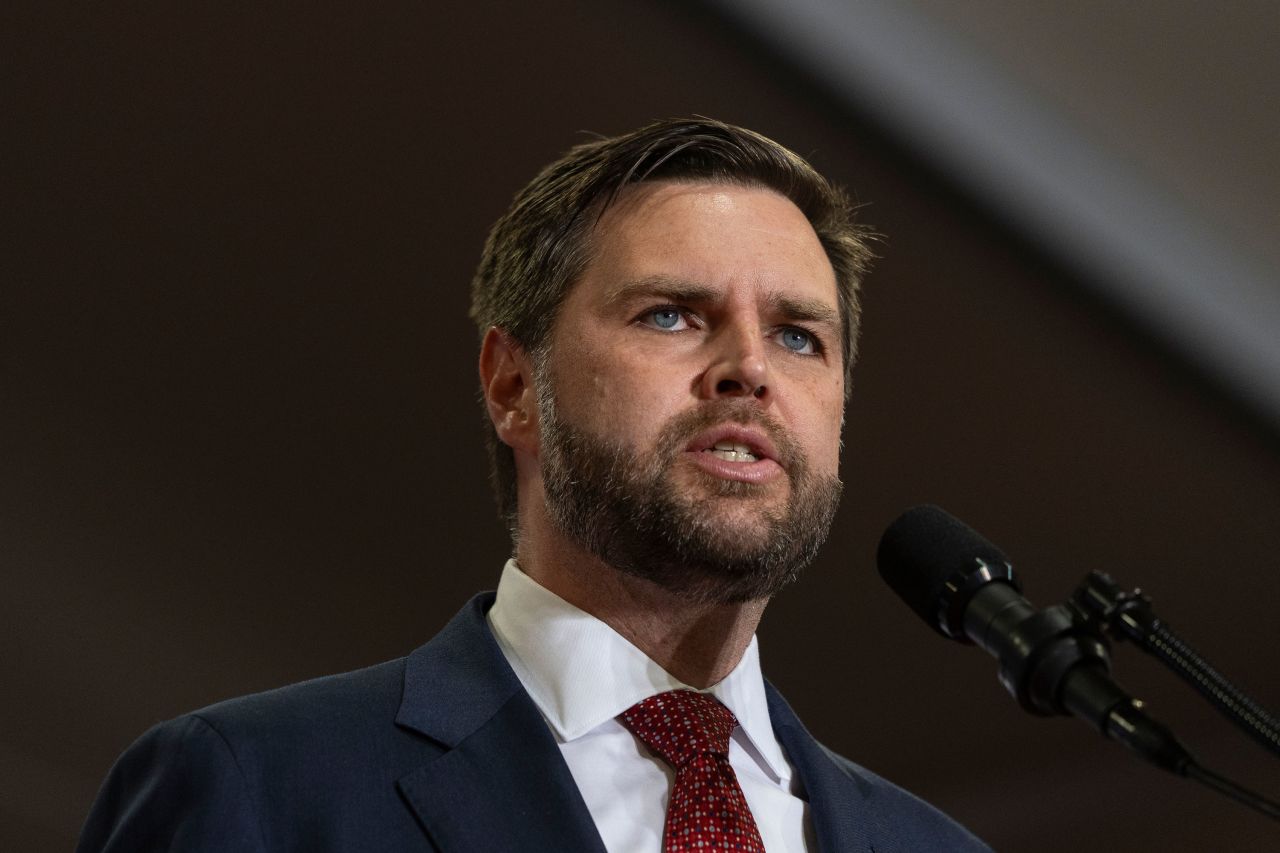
(636, 399)
(600, 388)
(821, 431)
(831, 449)
(577, 371)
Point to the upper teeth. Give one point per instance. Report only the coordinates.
(732, 451)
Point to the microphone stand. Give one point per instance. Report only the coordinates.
(1102, 606)
(1128, 616)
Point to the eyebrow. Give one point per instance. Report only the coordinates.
(662, 286)
(678, 290)
(803, 309)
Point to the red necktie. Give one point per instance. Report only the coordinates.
(691, 732)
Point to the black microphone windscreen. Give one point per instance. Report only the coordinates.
(922, 549)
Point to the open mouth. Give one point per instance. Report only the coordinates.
(734, 441)
(732, 451)
(736, 451)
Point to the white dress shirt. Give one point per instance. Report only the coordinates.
(581, 674)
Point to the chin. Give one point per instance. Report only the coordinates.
(739, 506)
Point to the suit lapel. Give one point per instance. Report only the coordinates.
(500, 782)
(838, 802)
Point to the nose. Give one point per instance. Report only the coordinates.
(739, 366)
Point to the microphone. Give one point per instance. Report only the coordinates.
(1051, 661)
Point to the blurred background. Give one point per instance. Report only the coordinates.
(239, 437)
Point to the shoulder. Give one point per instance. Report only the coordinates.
(247, 730)
(311, 766)
(242, 774)
(348, 702)
(912, 822)
(252, 773)
(176, 787)
(308, 734)
(320, 759)
(852, 804)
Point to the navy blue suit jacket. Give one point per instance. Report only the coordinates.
(442, 750)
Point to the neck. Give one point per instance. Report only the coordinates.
(697, 643)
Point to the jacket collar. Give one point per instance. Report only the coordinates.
(838, 800)
(500, 783)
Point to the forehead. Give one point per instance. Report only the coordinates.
(715, 234)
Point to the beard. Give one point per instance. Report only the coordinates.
(708, 543)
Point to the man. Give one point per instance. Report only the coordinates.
(668, 320)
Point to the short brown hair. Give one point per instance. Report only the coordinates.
(541, 246)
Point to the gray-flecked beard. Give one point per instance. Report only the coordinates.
(627, 510)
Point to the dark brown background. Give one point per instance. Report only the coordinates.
(240, 442)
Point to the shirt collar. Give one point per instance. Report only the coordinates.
(581, 673)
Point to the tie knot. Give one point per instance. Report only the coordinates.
(681, 724)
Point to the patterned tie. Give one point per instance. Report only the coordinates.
(691, 732)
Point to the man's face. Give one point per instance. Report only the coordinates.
(691, 398)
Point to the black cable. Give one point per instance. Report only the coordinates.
(1225, 786)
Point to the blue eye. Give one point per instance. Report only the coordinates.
(798, 341)
(666, 318)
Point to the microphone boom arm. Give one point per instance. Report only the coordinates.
(1128, 616)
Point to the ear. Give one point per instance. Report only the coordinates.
(506, 379)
